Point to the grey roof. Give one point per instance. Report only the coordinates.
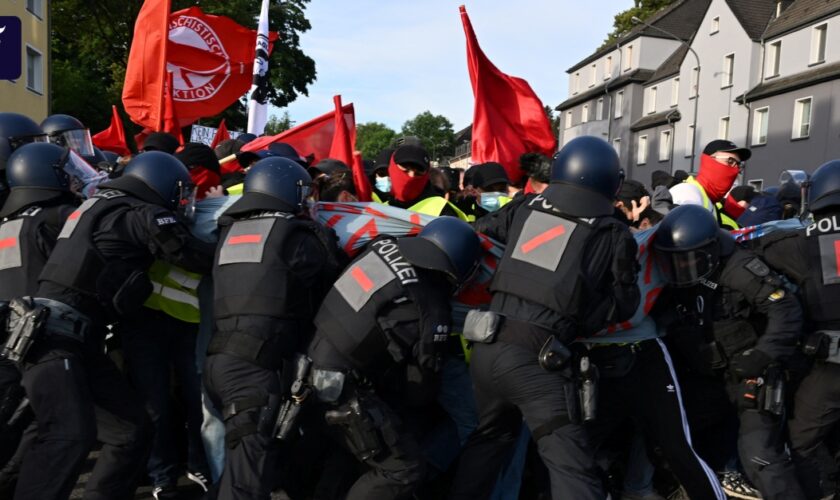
(656, 119)
(671, 66)
(681, 18)
(822, 73)
(753, 15)
(801, 13)
(637, 76)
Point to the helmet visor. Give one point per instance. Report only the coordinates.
(84, 178)
(78, 140)
(186, 201)
(688, 267)
(17, 142)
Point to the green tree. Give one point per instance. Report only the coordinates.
(642, 9)
(90, 40)
(373, 137)
(276, 124)
(554, 120)
(435, 131)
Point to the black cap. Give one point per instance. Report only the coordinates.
(631, 190)
(196, 154)
(487, 174)
(328, 166)
(383, 159)
(412, 156)
(161, 141)
(662, 178)
(743, 193)
(720, 145)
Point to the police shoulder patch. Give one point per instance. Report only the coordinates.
(758, 267)
(165, 220)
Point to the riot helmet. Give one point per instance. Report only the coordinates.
(274, 183)
(687, 245)
(69, 132)
(585, 178)
(824, 191)
(446, 244)
(158, 178)
(37, 173)
(15, 131)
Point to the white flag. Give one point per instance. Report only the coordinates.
(257, 103)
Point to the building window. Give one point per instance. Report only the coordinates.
(774, 58)
(695, 77)
(607, 68)
(689, 141)
(665, 145)
(576, 84)
(594, 70)
(675, 91)
(628, 57)
(599, 109)
(723, 128)
(617, 146)
(619, 103)
(760, 123)
(802, 118)
(34, 70)
(568, 119)
(35, 7)
(584, 114)
(728, 69)
(715, 25)
(651, 100)
(642, 150)
(818, 44)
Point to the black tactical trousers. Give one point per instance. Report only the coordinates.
(816, 413)
(79, 397)
(509, 385)
(398, 469)
(645, 388)
(251, 452)
(763, 454)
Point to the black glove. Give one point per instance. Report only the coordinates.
(429, 350)
(749, 364)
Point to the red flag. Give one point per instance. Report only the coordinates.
(145, 74)
(313, 138)
(221, 135)
(341, 148)
(140, 138)
(360, 179)
(509, 118)
(170, 118)
(212, 60)
(113, 137)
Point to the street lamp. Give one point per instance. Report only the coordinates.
(636, 20)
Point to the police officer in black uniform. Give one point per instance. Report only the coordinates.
(272, 268)
(94, 276)
(569, 270)
(388, 313)
(809, 257)
(32, 217)
(749, 325)
(69, 132)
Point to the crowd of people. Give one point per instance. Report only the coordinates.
(187, 320)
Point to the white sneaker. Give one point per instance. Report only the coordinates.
(736, 485)
(199, 479)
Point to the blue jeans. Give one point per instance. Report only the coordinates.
(212, 428)
(154, 345)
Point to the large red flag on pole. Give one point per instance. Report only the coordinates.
(312, 139)
(145, 74)
(170, 117)
(509, 118)
(113, 137)
(341, 148)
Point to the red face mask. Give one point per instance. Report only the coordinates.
(403, 186)
(716, 178)
(203, 179)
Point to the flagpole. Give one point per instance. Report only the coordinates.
(257, 107)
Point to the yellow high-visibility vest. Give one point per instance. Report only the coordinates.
(723, 219)
(175, 292)
(236, 188)
(434, 205)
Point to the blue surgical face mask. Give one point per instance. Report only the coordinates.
(383, 184)
(491, 201)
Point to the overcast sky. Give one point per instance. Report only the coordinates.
(396, 58)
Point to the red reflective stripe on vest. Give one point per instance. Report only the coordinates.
(361, 278)
(8, 243)
(245, 238)
(75, 215)
(543, 238)
(836, 255)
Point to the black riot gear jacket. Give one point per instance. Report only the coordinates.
(26, 240)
